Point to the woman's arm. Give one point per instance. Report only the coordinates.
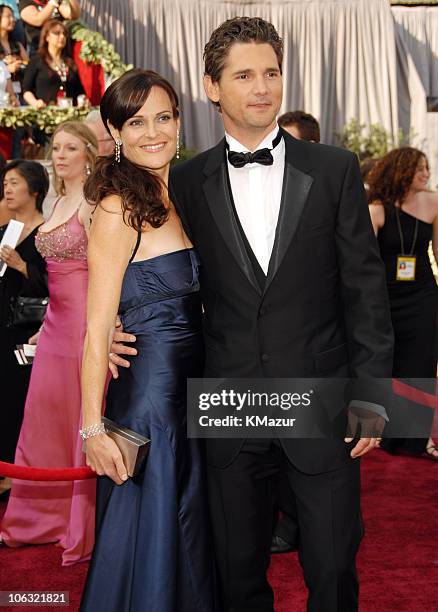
(377, 214)
(29, 83)
(110, 245)
(23, 53)
(12, 95)
(36, 284)
(70, 9)
(434, 202)
(31, 99)
(36, 18)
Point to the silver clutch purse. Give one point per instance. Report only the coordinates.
(133, 446)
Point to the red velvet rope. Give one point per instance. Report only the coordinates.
(414, 394)
(21, 472)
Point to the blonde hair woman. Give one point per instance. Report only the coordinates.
(60, 512)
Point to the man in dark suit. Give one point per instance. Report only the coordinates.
(292, 286)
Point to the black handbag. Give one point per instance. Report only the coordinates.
(28, 311)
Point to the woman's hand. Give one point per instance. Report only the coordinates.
(13, 259)
(104, 457)
(12, 63)
(39, 104)
(34, 339)
(15, 101)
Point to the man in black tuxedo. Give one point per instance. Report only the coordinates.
(292, 286)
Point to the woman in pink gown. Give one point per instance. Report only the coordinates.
(60, 512)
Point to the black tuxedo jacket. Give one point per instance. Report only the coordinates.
(323, 311)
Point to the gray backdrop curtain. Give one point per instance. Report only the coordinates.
(340, 55)
(417, 61)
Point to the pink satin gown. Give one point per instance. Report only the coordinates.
(61, 512)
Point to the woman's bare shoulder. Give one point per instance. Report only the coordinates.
(431, 197)
(111, 204)
(376, 203)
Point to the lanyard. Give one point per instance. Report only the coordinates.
(402, 242)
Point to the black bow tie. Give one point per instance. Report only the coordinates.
(262, 156)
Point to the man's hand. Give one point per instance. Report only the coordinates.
(363, 446)
(364, 422)
(119, 348)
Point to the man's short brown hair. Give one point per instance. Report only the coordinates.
(238, 30)
(306, 123)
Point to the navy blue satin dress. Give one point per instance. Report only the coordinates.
(152, 548)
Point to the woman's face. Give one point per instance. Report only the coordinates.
(7, 20)
(149, 138)
(69, 156)
(57, 37)
(16, 192)
(421, 176)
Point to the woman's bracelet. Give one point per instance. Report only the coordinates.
(92, 430)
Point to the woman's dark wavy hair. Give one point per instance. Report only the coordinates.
(35, 176)
(390, 178)
(43, 46)
(140, 190)
(11, 36)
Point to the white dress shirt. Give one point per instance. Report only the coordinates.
(256, 193)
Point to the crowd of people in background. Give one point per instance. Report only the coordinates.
(36, 64)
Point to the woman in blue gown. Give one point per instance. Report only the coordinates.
(152, 547)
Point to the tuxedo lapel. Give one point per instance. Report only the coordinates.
(218, 198)
(296, 187)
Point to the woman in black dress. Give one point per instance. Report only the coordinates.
(405, 218)
(51, 73)
(152, 549)
(25, 185)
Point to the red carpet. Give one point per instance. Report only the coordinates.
(398, 561)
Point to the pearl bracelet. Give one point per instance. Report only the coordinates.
(92, 430)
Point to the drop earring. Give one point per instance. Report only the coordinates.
(87, 170)
(117, 151)
(177, 145)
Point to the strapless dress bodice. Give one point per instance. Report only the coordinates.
(157, 282)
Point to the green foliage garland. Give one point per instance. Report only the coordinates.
(47, 119)
(95, 49)
(374, 143)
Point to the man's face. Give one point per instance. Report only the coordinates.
(250, 88)
(105, 142)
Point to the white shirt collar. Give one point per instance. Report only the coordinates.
(266, 143)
